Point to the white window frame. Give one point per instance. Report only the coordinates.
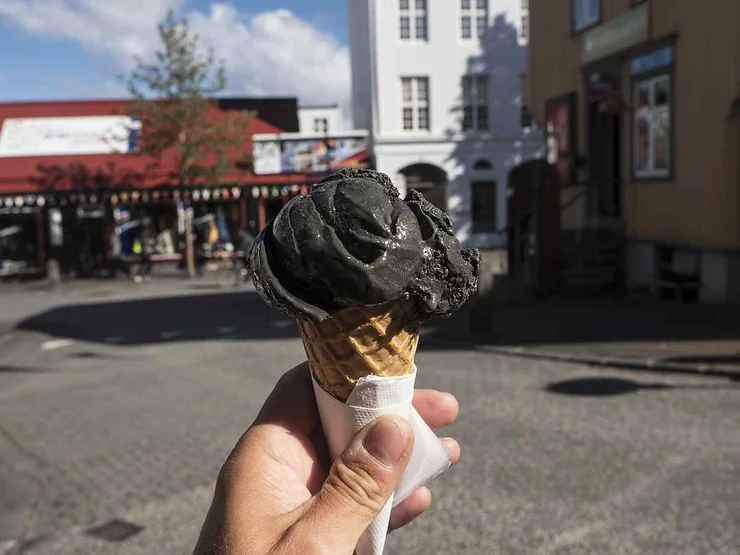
(471, 11)
(415, 12)
(589, 19)
(654, 115)
(321, 125)
(413, 104)
(524, 22)
(477, 101)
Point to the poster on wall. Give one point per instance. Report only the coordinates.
(68, 135)
(561, 132)
(305, 155)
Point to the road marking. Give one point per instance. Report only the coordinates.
(54, 344)
(226, 330)
(282, 323)
(170, 334)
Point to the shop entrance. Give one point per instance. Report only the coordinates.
(604, 110)
(88, 241)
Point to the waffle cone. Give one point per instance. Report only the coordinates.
(378, 340)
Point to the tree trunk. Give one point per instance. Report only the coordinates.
(189, 250)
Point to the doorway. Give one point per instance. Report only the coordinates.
(604, 110)
(429, 180)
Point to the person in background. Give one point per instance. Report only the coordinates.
(116, 255)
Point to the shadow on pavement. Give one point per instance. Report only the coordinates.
(10, 369)
(236, 316)
(609, 387)
(597, 321)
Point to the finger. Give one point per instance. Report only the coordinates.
(292, 402)
(438, 409)
(453, 448)
(359, 484)
(410, 508)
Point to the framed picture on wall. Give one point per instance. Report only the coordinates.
(561, 119)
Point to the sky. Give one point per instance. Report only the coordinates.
(69, 49)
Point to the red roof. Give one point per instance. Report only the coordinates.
(42, 173)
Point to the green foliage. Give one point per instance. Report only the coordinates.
(172, 96)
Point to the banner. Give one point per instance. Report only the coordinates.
(68, 135)
(305, 155)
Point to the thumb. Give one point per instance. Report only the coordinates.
(359, 484)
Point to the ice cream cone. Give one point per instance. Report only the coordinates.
(377, 340)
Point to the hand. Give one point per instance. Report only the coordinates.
(277, 495)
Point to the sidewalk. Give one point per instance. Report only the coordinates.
(628, 333)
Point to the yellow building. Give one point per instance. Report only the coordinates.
(642, 99)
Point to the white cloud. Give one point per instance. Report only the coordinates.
(272, 53)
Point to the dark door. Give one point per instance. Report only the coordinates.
(604, 111)
(605, 160)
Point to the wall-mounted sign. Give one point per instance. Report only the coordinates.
(562, 135)
(68, 135)
(657, 59)
(618, 34)
(296, 155)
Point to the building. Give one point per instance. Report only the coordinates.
(70, 176)
(439, 85)
(320, 120)
(642, 99)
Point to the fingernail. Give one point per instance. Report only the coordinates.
(387, 442)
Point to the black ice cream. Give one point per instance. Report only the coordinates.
(352, 241)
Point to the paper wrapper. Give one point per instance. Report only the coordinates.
(373, 397)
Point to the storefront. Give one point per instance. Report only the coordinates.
(638, 103)
(21, 237)
(74, 187)
(77, 228)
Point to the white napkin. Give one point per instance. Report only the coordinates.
(373, 397)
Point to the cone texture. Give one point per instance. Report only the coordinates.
(376, 340)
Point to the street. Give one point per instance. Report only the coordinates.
(118, 408)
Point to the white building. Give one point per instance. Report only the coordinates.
(320, 120)
(439, 85)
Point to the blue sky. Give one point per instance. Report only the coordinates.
(59, 49)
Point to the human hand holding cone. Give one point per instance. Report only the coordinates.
(361, 269)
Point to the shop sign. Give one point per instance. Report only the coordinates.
(618, 34)
(69, 136)
(662, 57)
(278, 154)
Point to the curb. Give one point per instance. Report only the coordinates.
(625, 363)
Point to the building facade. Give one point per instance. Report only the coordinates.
(642, 103)
(439, 85)
(71, 178)
(320, 120)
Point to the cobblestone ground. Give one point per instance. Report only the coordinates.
(125, 408)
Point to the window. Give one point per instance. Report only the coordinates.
(413, 19)
(320, 125)
(475, 103)
(651, 135)
(482, 165)
(473, 19)
(586, 13)
(415, 101)
(484, 206)
(524, 33)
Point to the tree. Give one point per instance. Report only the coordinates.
(173, 100)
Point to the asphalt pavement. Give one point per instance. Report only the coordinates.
(118, 404)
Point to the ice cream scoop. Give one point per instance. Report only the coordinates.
(353, 242)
